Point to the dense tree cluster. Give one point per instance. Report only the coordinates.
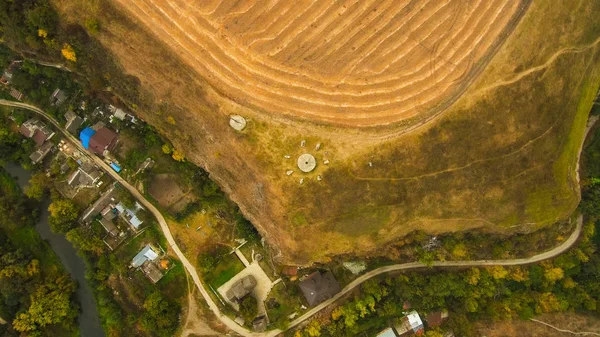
(34, 298)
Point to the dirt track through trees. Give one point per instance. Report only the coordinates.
(357, 63)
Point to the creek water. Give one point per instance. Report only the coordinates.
(89, 319)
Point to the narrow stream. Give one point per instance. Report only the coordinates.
(89, 319)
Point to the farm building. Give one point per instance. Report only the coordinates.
(318, 287)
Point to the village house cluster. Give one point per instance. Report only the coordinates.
(119, 219)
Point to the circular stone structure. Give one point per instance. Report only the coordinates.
(307, 162)
(237, 122)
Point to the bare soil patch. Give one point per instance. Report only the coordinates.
(164, 189)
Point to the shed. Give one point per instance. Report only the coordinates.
(318, 287)
(85, 135)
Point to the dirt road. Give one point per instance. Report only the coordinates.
(373, 273)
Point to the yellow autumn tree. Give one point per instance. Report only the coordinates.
(42, 33)
(167, 149)
(171, 120)
(459, 251)
(69, 53)
(498, 272)
(519, 274)
(178, 155)
(473, 276)
(554, 274)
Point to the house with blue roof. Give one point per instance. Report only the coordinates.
(85, 135)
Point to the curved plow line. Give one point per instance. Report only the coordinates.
(232, 81)
(355, 12)
(454, 47)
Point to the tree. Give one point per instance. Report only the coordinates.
(85, 241)
(92, 25)
(69, 53)
(553, 274)
(498, 272)
(249, 308)
(314, 328)
(50, 304)
(38, 185)
(159, 316)
(178, 156)
(167, 148)
(63, 213)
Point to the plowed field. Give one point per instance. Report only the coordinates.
(354, 63)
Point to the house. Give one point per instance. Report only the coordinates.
(73, 121)
(7, 76)
(103, 140)
(318, 287)
(95, 209)
(409, 325)
(146, 254)
(41, 153)
(130, 215)
(436, 318)
(58, 97)
(241, 288)
(389, 332)
(37, 130)
(86, 175)
(16, 94)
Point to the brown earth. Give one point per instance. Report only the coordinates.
(501, 157)
(164, 189)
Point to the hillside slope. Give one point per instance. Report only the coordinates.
(502, 157)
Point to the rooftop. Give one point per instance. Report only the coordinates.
(318, 287)
(146, 254)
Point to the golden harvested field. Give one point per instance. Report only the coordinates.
(490, 142)
(356, 63)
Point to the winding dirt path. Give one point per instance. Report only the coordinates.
(563, 247)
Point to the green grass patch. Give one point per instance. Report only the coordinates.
(225, 269)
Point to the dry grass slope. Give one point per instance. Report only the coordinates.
(501, 158)
(348, 62)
